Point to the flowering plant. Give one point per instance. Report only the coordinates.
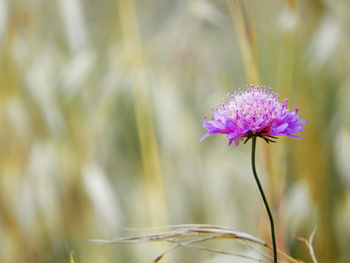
(254, 113)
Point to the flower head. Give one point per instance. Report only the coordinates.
(254, 112)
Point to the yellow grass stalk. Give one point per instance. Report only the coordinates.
(243, 22)
(149, 149)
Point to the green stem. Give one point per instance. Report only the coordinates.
(265, 201)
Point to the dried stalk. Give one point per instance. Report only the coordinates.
(192, 234)
(308, 243)
(219, 251)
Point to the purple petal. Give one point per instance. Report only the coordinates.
(205, 136)
(230, 142)
(209, 125)
(232, 135)
(299, 123)
(281, 128)
(231, 125)
(296, 137)
(237, 141)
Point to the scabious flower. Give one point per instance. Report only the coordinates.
(254, 112)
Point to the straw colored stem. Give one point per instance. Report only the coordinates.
(245, 30)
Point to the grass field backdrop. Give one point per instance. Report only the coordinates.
(101, 113)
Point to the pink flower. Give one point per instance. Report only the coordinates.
(254, 112)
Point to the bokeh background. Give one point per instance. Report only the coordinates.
(101, 112)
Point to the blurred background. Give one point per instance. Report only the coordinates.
(101, 112)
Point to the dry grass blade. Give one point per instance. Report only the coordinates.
(312, 252)
(256, 250)
(73, 258)
(160, 256)
(186, 231)
(288, 258)
(175, 227)
(191, 245)
(224, 252)
(186, 235)
(243, 21)
(175, 245)
(308, 243)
